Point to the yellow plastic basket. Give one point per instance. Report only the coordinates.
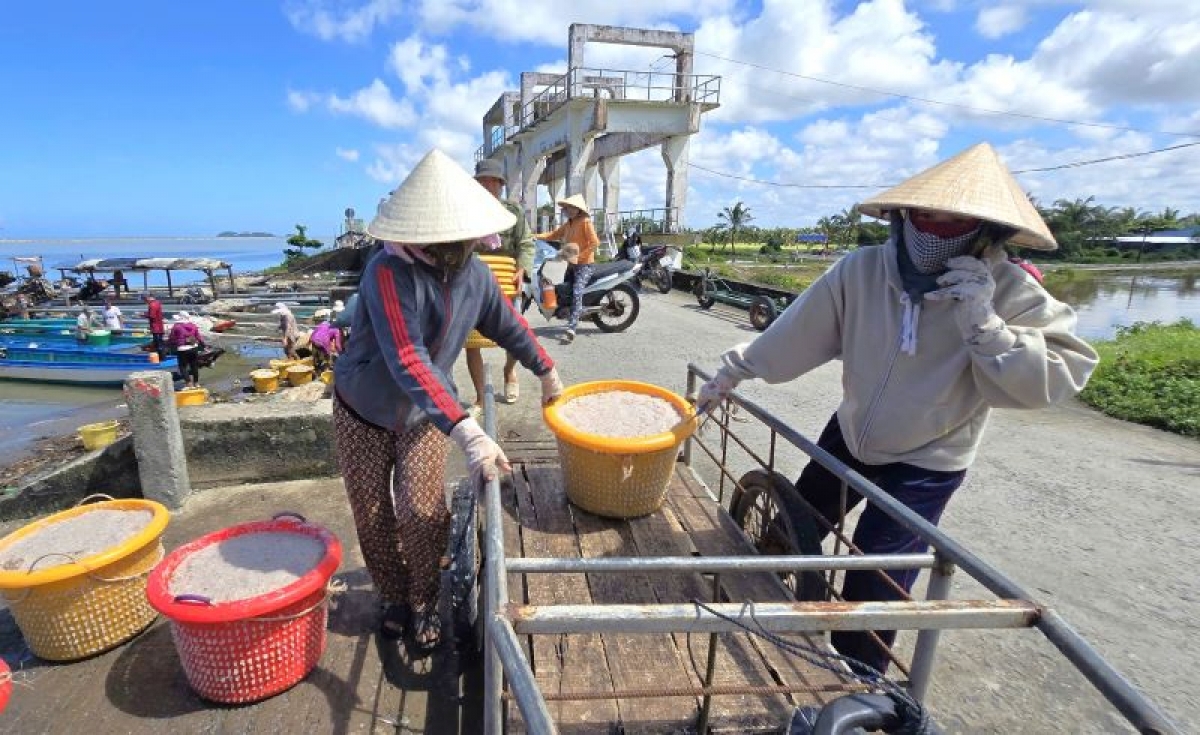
(85, 606)
(618, 477)
(300, 374)
(503, 268)
(265, 381)
(191, 397)
(98, 436)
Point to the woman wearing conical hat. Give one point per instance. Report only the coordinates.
(395, 401)
(934, 329)
(577, 229)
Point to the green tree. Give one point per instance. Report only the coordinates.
(736, 218)
(300, 242)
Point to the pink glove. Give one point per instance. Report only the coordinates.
(552, 387)
(715, 391)
(969, 282)
(485, 458)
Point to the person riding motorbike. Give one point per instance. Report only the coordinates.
(577, 229)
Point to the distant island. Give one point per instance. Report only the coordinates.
(245, 234)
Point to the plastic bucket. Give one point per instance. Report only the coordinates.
(77, 609)
(191, 397)
(265, 381)
(504, 269)
(249, 649)
(618, 477)
(299, 374)
(280, 367)
(99, 338)
(98, 436)
(327, 377)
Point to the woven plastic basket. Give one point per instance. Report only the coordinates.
(85, 606)
(618, 477)
(504, 269)
(248, 650)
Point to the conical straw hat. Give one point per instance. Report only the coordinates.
(975, 183)
(575, 200)
(439, 202)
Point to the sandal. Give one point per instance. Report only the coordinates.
(512, 391)
(394, 620)
(427, 631)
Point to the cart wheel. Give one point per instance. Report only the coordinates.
(771, 515)
(762, 312)
(703, 294)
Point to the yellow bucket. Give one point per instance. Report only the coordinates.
(78, 609)
(327, 377)
(618, 477)
(265, 381)
(281, 366)
(191, 397)
(299, 374)
(98, 436)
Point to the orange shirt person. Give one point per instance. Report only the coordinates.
(577, 229)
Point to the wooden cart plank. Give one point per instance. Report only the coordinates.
(738, 662)
(636, 661)
(702, 519)
(571, 662)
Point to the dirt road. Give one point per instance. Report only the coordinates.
(1097, 518)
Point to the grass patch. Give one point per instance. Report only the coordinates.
(1150, 374)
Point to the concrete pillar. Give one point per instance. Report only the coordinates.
(610, 174)
(579, 153)
(530, 168)
(589, 187)
(157, 440)
(675, 156)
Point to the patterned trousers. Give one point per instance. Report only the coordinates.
(395, 482)
(583, 276)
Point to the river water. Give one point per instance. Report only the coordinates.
(1105, 300)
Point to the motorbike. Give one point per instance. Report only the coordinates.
(610, 301)
(654, 267)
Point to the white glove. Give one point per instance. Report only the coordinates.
(969, 282)
(715, 391)
(552, 387)
(485, 458)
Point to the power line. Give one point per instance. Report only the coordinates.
(1073, 164)
(957, 105)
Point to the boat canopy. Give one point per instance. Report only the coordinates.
(92, 265)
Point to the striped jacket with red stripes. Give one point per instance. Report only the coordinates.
(407, 331)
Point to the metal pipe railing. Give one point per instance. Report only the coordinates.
(710, 564)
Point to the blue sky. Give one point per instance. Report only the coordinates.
(150, 118)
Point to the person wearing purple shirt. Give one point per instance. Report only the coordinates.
(185, 341)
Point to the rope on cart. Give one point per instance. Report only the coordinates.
(911, 712)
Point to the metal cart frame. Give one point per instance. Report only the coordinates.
(502, 621)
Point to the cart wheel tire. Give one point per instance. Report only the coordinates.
(624, 303)
(703, 296)
(768, 510)
(663, 280)
(762, 312)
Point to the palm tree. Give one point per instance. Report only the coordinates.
(736, 218)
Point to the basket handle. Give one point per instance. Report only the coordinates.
(197, 600)
(90, 498)
(34, 563)
(289, 514)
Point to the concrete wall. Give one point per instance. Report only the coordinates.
(229, 444)
(111, 471)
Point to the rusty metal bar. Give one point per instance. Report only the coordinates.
(708, 564)
(927, 640)
(776, 617)
(521, 682)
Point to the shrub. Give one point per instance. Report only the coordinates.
(1150, 374)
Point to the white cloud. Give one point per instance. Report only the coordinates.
(347, 154)
(999, 21)
(302, 101)
(376, 104)
(340, 20)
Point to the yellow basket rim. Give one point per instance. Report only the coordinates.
(264, 373)
(16, 579)
(100, 426)
(498, 259)
(620, 445)
(300, 368)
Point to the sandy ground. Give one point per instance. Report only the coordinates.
(1096, 517)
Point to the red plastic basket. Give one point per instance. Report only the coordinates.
(251, 649)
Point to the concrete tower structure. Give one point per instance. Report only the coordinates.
(569, 131)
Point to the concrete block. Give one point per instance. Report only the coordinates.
(157, 441)
(111, 471)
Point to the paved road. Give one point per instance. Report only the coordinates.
(1096, 517)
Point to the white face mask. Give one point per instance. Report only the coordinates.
(929, 253)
